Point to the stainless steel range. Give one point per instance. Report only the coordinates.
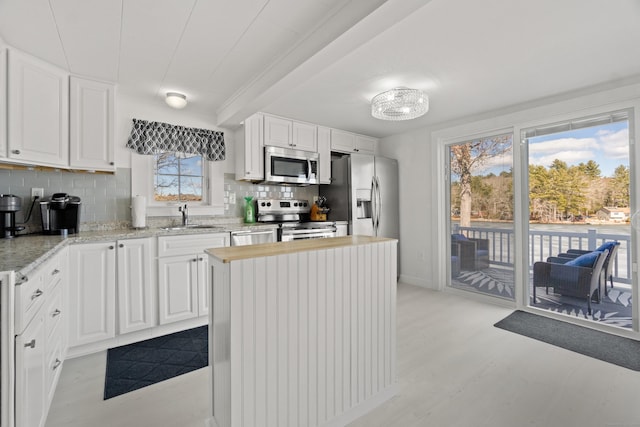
(293, 217)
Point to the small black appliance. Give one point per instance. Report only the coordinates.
(9, 205)
(60, 214)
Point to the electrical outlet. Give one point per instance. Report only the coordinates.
(39, 192)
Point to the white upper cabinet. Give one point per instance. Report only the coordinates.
(365, 144)
(38, 99)
(342, 141)
(324, 151)
(347, 142)
(250, 149)
(285, 133)
(91, 132)
(278, 132)
(305, 137)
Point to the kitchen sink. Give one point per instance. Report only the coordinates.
(192, 226)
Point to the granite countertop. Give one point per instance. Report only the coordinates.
(24, 253)
(235, 253)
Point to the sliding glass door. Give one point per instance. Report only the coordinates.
(579, 247)
(481, 203)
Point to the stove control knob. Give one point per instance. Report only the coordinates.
(305, 204)
(263, 204)
(268, 203)
(295, 204)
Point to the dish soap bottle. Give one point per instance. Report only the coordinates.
(249, 210)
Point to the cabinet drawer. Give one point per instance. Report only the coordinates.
(53, 369)
(52, 272)
(30, 296)
(191, 243)
(53, 313)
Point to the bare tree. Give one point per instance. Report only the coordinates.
(469, 157)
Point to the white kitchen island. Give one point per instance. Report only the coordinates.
(302, 333)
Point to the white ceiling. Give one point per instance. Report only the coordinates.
(323, 60)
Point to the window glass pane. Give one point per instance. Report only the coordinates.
(166, 164)
(579, 201)
(191, 188)
(191, 166)
(481, 210)
(166, 188)
(178, 177)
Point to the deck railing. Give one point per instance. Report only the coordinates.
(543, 244)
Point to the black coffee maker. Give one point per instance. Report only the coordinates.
(60, 214)
(9, 205)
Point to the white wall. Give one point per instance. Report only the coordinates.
(421, 158)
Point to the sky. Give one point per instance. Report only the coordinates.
(607, 145)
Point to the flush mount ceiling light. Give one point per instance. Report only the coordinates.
(400, 103)
(176, 100)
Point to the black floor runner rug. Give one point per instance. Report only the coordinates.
(610, 348)
(140, 364)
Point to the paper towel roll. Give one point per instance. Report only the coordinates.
(139, 212)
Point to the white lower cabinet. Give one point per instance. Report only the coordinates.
(183, 282)
(92, 292)
(31, 375)
(104, 270)
(40, 339)
(136, 299)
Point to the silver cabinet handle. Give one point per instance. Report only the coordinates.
(111, 247)
(111, 163)
(15, 151)
(55, 313)
(36, 294)
(31, 343)
(57, 363)
(121, 245)
(54, 272)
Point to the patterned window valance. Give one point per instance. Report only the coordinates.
(156, 137)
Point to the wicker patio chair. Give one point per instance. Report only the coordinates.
(607, 268)
(567, 278)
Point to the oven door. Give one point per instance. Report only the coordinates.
(289, 234)
(282, 165)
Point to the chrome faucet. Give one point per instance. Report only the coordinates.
(185, 214)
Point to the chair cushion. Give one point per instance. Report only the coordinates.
(586, 260)
(458, 237)
(606, 246)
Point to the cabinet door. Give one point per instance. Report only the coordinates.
(342, 141)
(204, 285)
(92, 293)
(305, 137)
(324, 151)
(250, 149)
(135, 285)
(3, 105)
(31, 375)
(39, 104)
(91, 124)
(277, 132)
(365, 144)
(177, 288)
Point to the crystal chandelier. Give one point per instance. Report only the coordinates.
(400, 103)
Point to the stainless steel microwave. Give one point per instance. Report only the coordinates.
(287, 166)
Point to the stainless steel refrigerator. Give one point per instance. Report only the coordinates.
(364, 192)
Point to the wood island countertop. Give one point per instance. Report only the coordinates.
(234, 253)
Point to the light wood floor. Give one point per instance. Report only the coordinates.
(454, 369)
